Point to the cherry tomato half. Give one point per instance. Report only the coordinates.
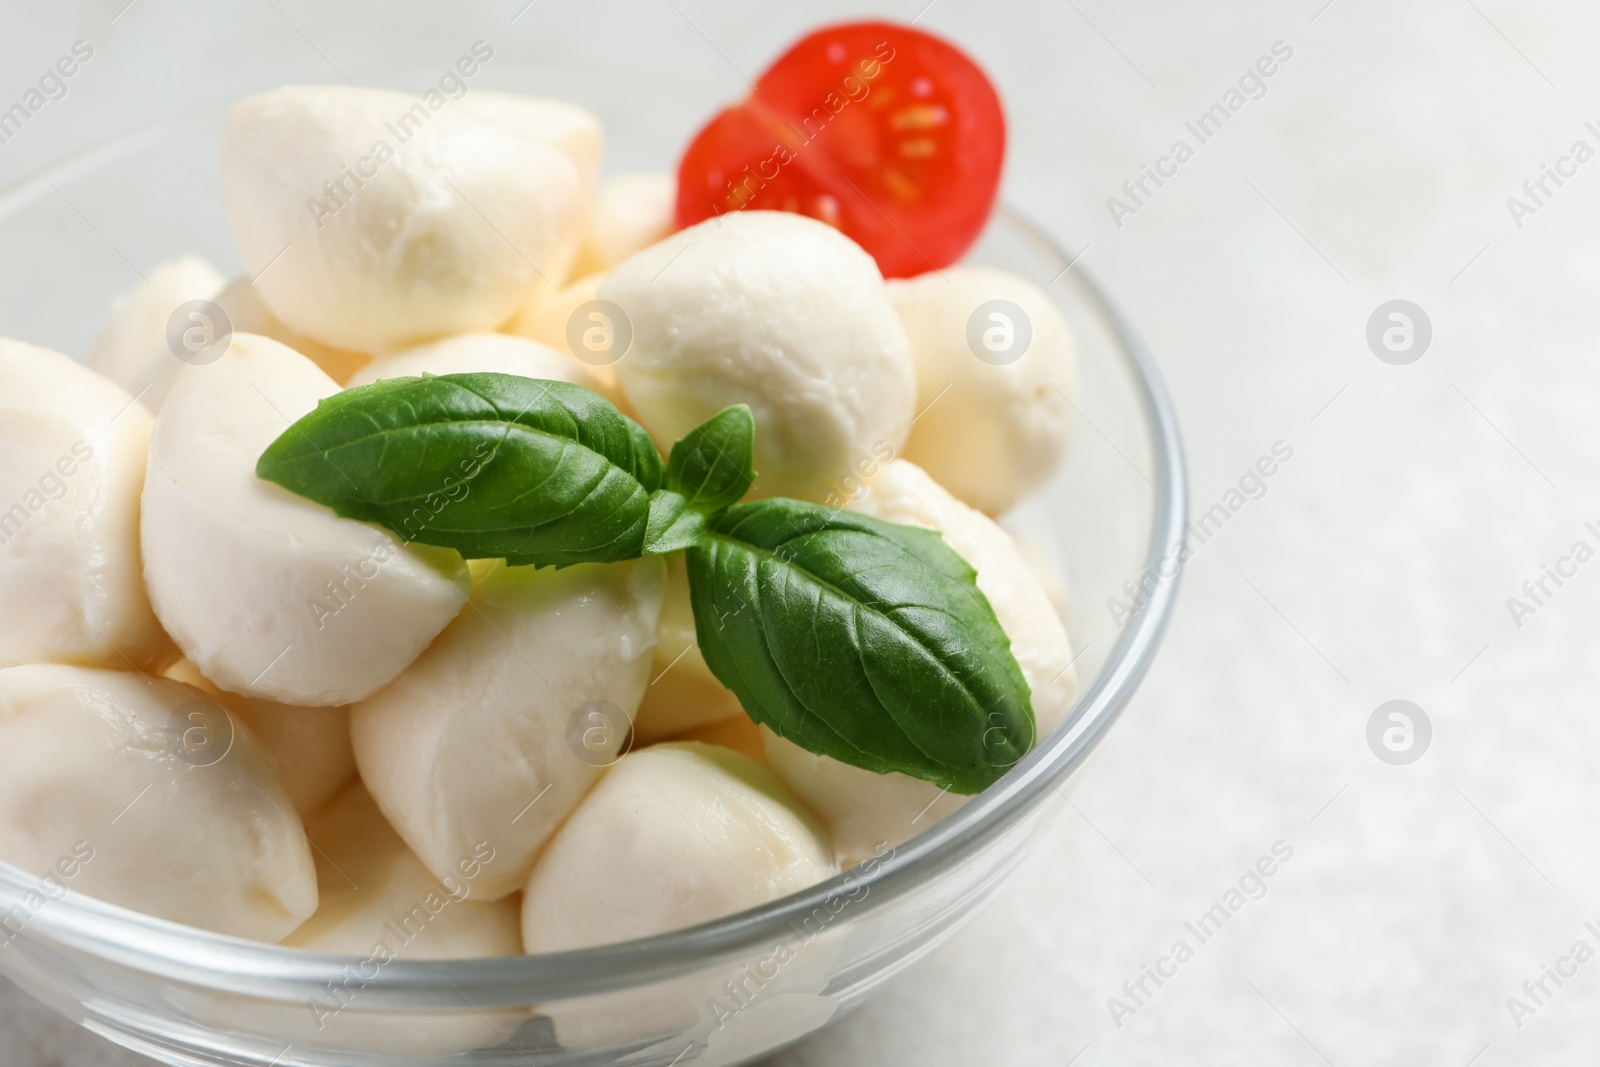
(891, 135)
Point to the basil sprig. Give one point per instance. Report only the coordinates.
(854, 638)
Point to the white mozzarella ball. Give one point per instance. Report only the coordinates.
(683, 693)
(247, 314)
(177, 808)
(574, 130)
(309, 746)
(991, 428)
(396, 223)
(372, 890)
(134, 350)
(498, 729)
(865, 810)
(269, 594)
(631, 212)
(782, 313)
(72, 461)
(673, 835)
(469, 353)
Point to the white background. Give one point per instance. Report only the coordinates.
(1376, 567)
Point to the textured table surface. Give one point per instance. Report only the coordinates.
(1376, 566)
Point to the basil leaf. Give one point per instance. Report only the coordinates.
(715, 464)
(673, 524)
(492, 465)
(860, 639)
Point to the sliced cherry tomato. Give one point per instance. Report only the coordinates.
(891, 135)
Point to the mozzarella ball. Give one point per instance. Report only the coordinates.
(468, 353)
(72, 461)
(630, 213)
(683, 693)
(247, 314)
(133, 350)
(673, 835)
(310, 747)
(396, 223)
(866, 811)
(168, 803)
(498, 729)
(992, 428)
(269, 594)
(573, 130)
(782, 313)
(373, 890)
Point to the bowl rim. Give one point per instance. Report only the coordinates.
(162, 949)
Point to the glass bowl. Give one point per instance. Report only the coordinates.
(724, 992)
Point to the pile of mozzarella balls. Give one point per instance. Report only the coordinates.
(257, 718)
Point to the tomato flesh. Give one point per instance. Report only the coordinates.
(885, 132)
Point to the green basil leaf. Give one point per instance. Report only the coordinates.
(492, 465)
(673, 525)
(715, 464)
(860, 639)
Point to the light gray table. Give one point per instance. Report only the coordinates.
(1377, 565)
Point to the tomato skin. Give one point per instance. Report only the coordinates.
(888, 133)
